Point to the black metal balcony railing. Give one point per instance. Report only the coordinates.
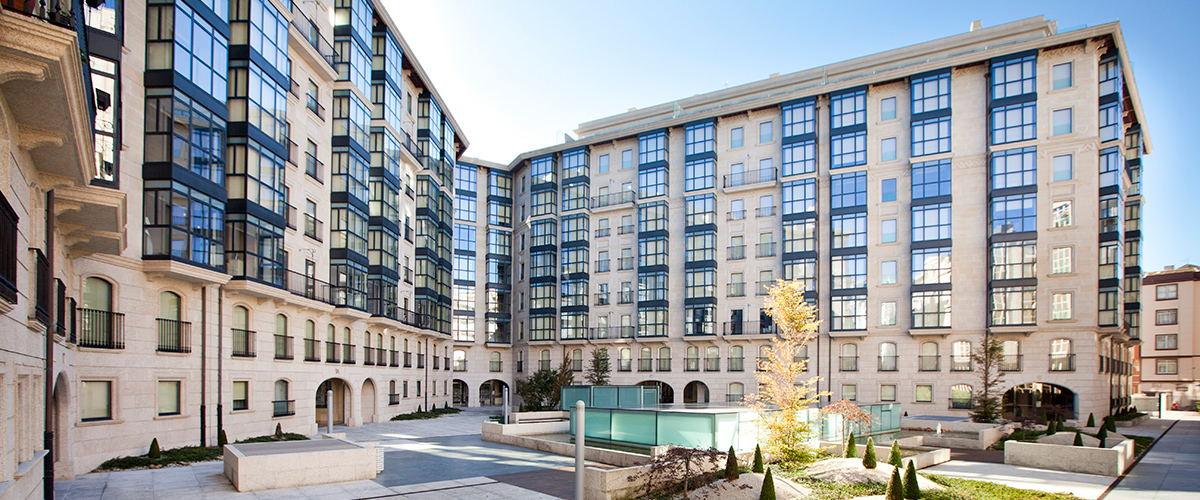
(408, 274)
(243, 343)
(603, 232)
(316, 107)
(435, 362)
(767, 211)
(368, 356)
(764, 287)
(737, 252)
(849, 363)
(333, 352)
(734, 398)
(712, 364)
(761, 363)
(576, 365)
(930, 362)
(960, 363)
(625, 229)
(174, 336)
(736, 364)
(348, 354)
(624, 263)
(645, 365)
(283, 347)
(736, 289)
(888, 363)
(752, 177)
(101, 329)
(602, 266)
(543, 364)
(614, 199)
(393, 399)
(766, 249)
(625, 297)
(394, 358)
(601, 298)
(1011, 363)
(294, 89)
(308, 287)
(284, 408)
(1062, 362)
(313, 227)
(312, 350)
(735, 215)
(314, 168)
(44, 289)
(420, 361)
(312, 33)
(380, 357)
(749, 328)
(408, 360)
(624, 365)
(664, 364)
(495, 366)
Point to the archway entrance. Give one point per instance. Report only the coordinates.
(60, 406)
(491, 393)
(1033, 398)
(368, 401)
(461, 393)
(341, 394)
(666, 395)
(695, 392)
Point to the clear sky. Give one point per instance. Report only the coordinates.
(518, 74)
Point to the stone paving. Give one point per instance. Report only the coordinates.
(1171, 469)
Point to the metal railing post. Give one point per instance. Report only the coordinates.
(579, 448)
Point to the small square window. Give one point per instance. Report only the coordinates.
(887, 109)
(1166, 292)
(626, 159)
(924, 393)
(241, 395)
(1060, 260)
(887, 272)
(887, 314)
(735, 138)
(1062, 122)
(1064, 167)
(95, 400)
(1061, 214)
(603, 161)
(1166, 341)
(887, 393)
(887, 232)
(1062, 76)
(1166, 317)
(1060, 306)
(766, 132)
(1166, 367)
(168, 397)
(850, 392)
(887, 149)
(888, 190)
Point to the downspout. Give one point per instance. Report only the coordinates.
(48, 431)
(203, 365)
(427, 363)
(220, 356)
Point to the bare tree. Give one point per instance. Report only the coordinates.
(853, 417)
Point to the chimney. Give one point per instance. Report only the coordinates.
(1168, 268)
(976, 25)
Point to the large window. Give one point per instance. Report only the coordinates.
(931, 309)
(95, 400)
(182, 131)
(802, 270)
(542, 296)
(699, 210)
(799, 158)
(256, 98)
(1014, 260)
(799, 119)
(849, 149)
(848, 190)
(1110, 77)
(1014, 306)
(351, 118)
(1014, 214)
(652, 252)
(930, 93)
(1166, 292)
(931, 222)
(652, 217)
(930, 136)
(1014, 77)
(1166, 317)
(931, 265)
(543, 328)
(849, 230)
(699, 174)
(701, 246)
(464, 238)
(350, 173)
(464, 268)
(1110, 167)
(255, 249)
(652, 286)
(652, 322)
(701, 283)
(849, 312)
(575, 197)
(499, 185)
(543, 232)
(1016, 122)
(575, 228)
(652, 183)
(1014, 168)
(799, 236)
(699, 139)
(800, 197)
(180, 39)
(574, 164)
(1110, 260)
(849, 271)
(1166, 367)
(544, 203)
(542, 264)
(499, 213)
(652, 147)
(931, 179)
(184, 224)
(849, 109)
(541, 170)
(348, 228)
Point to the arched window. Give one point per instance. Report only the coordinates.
(96, 318)
(960, 397)
(283, 404)
(393, 397)
(283, 342)
(736, 357)
(366, 339)
(460, 360)
(960, 356)
(1012, 356)
(736, 392)
(496, 364)
(97, 294)
(331, 333)
(664, 359)
(346, 336)
(241, 318)
(626, 360)
(692, 360)
(712, 359)
(802, 356)
(929, 357)
(310, 341)
(849, 357)
(647, 361)
(577, 360)
(168, 306)
(887, 357)
(763, 357)
(171, 336)
(1062, 358)
(243, 337)
(545, 360)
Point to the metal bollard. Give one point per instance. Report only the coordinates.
(579, 447)
(329, 411)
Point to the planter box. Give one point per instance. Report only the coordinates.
(263, 466)
(1110, 462)
(986, 434)
(930, 457)
(1132, 423)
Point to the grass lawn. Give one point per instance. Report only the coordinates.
(185, 455)
(957, 489)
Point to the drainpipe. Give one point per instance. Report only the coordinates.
(203, 365)
(220, 357)
(427, 363)
(48, 431)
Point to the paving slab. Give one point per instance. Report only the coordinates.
(1081, 485)
(1169, 471)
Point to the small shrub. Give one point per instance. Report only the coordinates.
(895, 488)
(758, 461)
(1078, 439)
(731, 465)
(1111, 424)
(851, 448)
(1102, 436)
(221, 439)
(279, 431)
(912, 489)
(894, 457)
(869, 455)
(1197, 406)
(155, 451)
(768, 488)
(1091, 420)
(1051, 428)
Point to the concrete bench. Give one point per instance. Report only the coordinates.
(286, 464)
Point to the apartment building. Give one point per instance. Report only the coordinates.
(984, 184)
(1168, 364)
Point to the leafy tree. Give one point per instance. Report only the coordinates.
(1091, 420)
(758, 460)
(853, 417)
(895, 487)
(598, 368)
(894, 458)
(731, 465)
(851, 447)
(869, 456)
(912, 489)
(155, 451)
(783, 394)
(987, 358)
(543, 389)
(1078, 439)
(768, 487)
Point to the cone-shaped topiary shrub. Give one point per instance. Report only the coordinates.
(912, 490)
(758, 461)
(155, 451)
(731, 465)
(895, 487)
(1102, 436)
(1078, 439)
(221, 439)
(1112, 424)
(768, 488)
(1091, 420)
(1051, 428)
(279, 431)
(851, 448)
(869, 455)
(894, 457)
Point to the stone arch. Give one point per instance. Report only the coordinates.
(62, 421)
(491, 392)
(343, 394)
(461, 393)
(666, 395)
(369, 403)
(695, 392)
(1032, 398)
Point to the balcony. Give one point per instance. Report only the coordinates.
(961, 364)
(348, 354)
(735, 289)
(315, 106)
(735, 215)
(243, 343)
(174, 336)
(768, 211)
(380, 356)
(312, 33)
(624, 365)
(849, 364)
(764, 287)
(420, 361)
(625, 297)
(766, 249)
(314, 168)
(734, 398)
(602, 266)
(930, 362)
(395, 359)
(888, 363)
(368, 356)
(408, 275)
(544, 364)
(283, 347)
(712, 364)
(751, 178)
(284, 408)
(625, 229)
(624, 263)
(1062, 362)
(1011, 363)
(735, 364)
(313, 227)
(495, 366)
(333, 352)
(614, 200)
(645, 365)
(602, 298)
(749, 328)
(737, 252)
(408, 360)
(603, 232)
(312, 350)
(101, 329)
(576, 365)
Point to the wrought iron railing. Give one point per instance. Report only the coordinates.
(101, 329)
(243, 343)
(174, 335)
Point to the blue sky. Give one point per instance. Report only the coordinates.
(517, 75)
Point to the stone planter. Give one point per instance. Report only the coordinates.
(1132, 423)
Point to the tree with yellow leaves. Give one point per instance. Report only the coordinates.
(782, 393)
